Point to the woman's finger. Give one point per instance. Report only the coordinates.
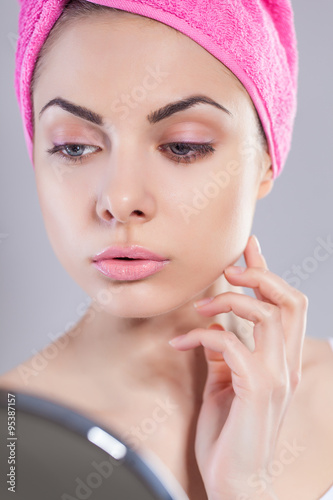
(254, 258)
(271, 286)
(291, 302)
(268, 330)
(253, 375)
(235, 353)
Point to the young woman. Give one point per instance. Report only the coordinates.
(150, 154)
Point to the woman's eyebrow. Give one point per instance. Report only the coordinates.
(75, 109)
(181, 105)
(154, 117)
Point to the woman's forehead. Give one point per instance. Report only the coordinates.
(127, 51)
(132, 39)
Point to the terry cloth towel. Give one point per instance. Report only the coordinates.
(255, 39)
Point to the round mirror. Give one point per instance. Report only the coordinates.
(50, 452)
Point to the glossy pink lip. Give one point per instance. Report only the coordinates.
(144, 262)
(132, 252)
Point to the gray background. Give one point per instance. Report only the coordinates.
(39, 300)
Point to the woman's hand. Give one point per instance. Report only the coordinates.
(247, 394)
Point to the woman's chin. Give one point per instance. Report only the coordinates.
(121, 304)
(151, 297)
(140, 310)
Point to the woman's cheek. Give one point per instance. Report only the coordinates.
(231, 218)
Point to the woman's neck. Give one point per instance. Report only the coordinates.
(137, 349)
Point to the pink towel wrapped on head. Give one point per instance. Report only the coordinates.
(255, 39)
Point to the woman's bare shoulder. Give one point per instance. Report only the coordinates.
(317, 353)
(41, 370)
(308, 429)
(21, 378)
(316, 387)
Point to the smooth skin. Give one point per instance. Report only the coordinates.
(115, 364)
(254, 389)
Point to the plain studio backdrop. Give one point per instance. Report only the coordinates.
(39, 301)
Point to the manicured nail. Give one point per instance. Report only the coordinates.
(175, 340)
(235, 269)
(255, 239)
(216, 326)
(203, 302)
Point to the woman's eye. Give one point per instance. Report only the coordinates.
(73, 152)
(180, 151)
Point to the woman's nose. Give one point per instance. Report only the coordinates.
(124, 194)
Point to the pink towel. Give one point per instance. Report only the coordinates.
(255, 39)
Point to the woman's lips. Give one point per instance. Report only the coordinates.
(128, 263)
(129, 270)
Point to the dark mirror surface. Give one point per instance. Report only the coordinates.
(49, 452)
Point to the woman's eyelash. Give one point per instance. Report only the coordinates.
(57, 150)
(200, 151)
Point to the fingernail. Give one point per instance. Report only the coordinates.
(175, 340)
(203, 302)
(235, 269)
(257, 243)
(216, 326)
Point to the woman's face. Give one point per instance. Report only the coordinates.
(194, 207)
